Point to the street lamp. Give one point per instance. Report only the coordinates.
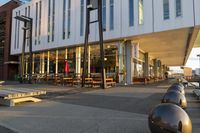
(199, 63)
(28, 22)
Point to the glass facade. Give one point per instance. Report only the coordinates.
(141, 11)
(111, 14)
(64, 18)
(178, 8)
(49, 18)
(36, 22)
(166, 13)
(104, 14)
(82, 17)
(131, 12)
(69, 19)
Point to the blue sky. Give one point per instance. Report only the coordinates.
(3, 1)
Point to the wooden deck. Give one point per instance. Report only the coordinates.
(10, 97)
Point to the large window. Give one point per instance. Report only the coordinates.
(49, 18)
(166, 9)
(40, 17)
(82, 17)
(111, 14)
(64, 17)
(104, 14)
(131, 12)
(141, 11)
(16, 31)
(178, 8)
(36, 22)
(69, 19)
(53, 20)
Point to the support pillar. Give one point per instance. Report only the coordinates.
(121, 62)
(129, 63)
(56, 71)
(43, 63)
(146, 65)
(155, 67)
(88, 60)
(33, 64)
(48, 55)
(78, 61)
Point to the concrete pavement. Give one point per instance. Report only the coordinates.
(114, 110)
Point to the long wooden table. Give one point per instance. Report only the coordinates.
(10, 97)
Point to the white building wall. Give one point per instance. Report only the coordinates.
(153, 22)
(197, 11)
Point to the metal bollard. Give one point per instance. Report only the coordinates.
(175, 97)
(169, 118)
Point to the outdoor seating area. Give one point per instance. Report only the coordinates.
(93, 80)
(146, 80)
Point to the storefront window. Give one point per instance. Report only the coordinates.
(52, 62)
(61, 61)
(71, 59)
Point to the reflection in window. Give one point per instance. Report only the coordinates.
(131, 12)
(166, 9)
(82, 17)
(141, 11)
(69, 19)
(111, 14)
(178, 8)
(104, 14)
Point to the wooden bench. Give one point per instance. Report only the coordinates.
(196, 92)
(10, 97)
(139, 80)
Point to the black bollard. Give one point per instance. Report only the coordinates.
(169, 118)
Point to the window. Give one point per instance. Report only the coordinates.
(111, 14)
(178, 8)
(40, 16)
(166, 9)
(36, 23)
(141, 11)
(64, 13)
(82, 17)
(16, 32)
(104, 14)
(53, 20)
(49, 18)
(69, 19)
(18, 28)
(131, 12)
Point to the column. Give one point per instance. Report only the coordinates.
(78, 61)
(88, 61)
(33, 64)
(48, 55)
(121, 62)
(146, 65)
(56, 71)
(155, 67)
(129, 62)
(43, 63)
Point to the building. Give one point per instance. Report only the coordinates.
(8, 64)
(142, 37)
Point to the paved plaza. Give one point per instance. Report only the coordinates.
(76, 110)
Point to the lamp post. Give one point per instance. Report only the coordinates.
(28, 22)
(91, 6)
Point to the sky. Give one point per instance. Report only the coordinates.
(192, 62)
(3, 1)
